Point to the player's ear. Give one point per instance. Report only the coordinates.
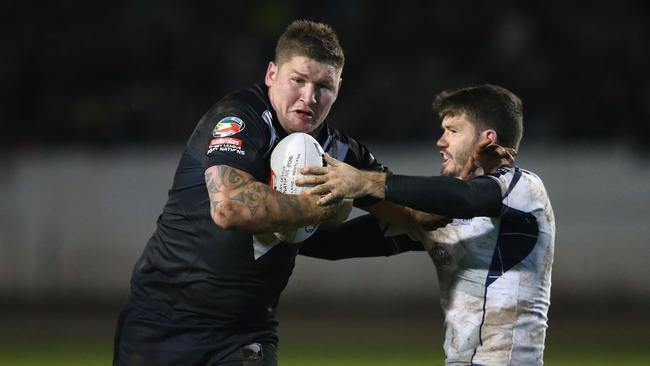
(490, 135)
(338, 88)
(271, 72)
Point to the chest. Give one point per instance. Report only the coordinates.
(463, 239)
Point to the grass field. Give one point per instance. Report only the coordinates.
(79, 354)
(309, 341)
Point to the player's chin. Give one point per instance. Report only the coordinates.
(449, 171)
(446, 169)
(305, 125)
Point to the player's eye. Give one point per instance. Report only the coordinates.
(326, 87)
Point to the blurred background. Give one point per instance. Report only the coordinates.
(98, 99)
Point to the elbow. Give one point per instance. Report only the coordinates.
(228, 216)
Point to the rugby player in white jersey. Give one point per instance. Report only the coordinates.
(494, 259)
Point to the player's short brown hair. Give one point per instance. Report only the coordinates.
(314, 40)
(488, 107)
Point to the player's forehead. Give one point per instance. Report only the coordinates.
(310, 68)
(458, 120)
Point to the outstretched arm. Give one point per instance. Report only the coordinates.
(445, 196)
(239, 202)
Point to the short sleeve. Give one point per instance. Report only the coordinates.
(233, 137)
(521, 189)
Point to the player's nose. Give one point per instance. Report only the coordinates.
(442, 142)
(308, 95)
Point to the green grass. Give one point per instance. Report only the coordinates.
(56, 354)
(331, 353)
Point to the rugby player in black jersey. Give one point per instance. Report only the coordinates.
(205, 290)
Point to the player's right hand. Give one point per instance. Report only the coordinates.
(489, 157)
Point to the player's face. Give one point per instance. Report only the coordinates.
(458, 140)
(302, 92)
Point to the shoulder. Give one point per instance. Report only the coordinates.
(243, 110)
(348, 149)
(520, 187)
(248, 104)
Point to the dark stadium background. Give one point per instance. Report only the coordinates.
(122, 83)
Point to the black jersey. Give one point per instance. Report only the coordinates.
(194, 271)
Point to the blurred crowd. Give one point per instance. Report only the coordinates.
(117, 73)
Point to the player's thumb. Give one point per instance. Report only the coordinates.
(330, 160)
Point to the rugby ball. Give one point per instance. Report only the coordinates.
(292, 153)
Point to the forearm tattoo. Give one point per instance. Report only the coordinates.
(290, 205)
(246, 191)
(253, 196)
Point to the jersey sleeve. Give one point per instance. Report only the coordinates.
(232, 135)
(521, 189)
(445, 196)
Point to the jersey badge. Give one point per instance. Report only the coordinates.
(461, 222)
(440, 256)
(226, 144)
(228, 127)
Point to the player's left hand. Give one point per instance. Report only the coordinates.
(428, 221)
(333, 182)
(489, 157)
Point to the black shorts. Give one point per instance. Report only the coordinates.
(146, 338)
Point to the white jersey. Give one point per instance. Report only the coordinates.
(495, 277)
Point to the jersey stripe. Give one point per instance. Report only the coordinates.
(518, 233)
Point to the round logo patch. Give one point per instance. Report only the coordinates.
(228, 127)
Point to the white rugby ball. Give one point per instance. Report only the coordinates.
(292, 153)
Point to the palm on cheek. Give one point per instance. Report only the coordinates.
(489, 157)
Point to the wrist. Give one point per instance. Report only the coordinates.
(374, 184)
(388, 186)
(326, 212)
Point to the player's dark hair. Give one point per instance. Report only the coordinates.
(311, 39)
(488, 107)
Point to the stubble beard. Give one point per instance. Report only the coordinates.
(458, 163)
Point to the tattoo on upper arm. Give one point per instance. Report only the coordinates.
(211, 185)
(245, 190)
(235, 178)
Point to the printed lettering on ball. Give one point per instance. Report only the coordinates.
(293, 152)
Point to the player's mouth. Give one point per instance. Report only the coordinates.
(445, 157)
(304, 114)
